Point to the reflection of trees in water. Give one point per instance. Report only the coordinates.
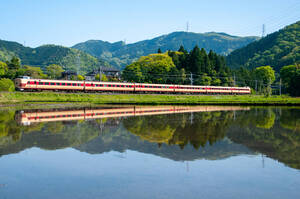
(271, 131)
(197, 129)
(280, 141)
(51, 135)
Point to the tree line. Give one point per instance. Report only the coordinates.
(180, 67)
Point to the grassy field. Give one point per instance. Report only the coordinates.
(45, 97)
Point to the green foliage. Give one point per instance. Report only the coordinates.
(68, 58)
(266, 75)
(120, 55)
(150, 69)
(291, 78)
(3, 68)
(34, 72)
(6, 85)
(103, 77)
(160, 68)
(14, 68)
(80, 77)
(54, 71)
(277, 49)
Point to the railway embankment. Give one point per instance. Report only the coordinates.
(153, 99)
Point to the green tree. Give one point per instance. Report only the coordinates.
(34, 72)
(6, 85)
(291, 78)
(151, 69)
(54, 71)
(159, 51)
(80, 77)
(103, 77)
(266, 75)
(14, 64)
(3, 68)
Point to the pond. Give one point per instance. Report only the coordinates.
(150, 152)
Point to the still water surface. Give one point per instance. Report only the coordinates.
(150, 152)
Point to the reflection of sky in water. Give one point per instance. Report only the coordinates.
(68, 173)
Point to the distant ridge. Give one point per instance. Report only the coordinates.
(45, 55)
(277, 49)
(119, 54)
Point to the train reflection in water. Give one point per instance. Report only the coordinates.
(36, 116)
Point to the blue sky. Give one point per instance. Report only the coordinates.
(67, 22)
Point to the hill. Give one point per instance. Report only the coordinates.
(119, 54)
(70, 59)
(277, 49)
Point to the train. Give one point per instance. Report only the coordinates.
(27, 84)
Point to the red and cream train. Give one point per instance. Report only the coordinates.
(25, 84)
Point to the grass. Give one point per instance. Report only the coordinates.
(50, 97)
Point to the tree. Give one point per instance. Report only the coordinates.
(153, 68)
(34, 72)
(54, 71)
(195, 61)
(291, 78)
(13, 68)
(103, 77)
(266, 75)
(6, 85)
(14, 64)
(3, 68)
(80, 77)
(159, 51)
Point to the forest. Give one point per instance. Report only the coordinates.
(180, 67)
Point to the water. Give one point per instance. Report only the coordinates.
(150, 152)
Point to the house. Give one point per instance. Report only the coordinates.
(67, 75)
(108, 72)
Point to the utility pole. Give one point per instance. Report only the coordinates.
(256, 85)
(191, 78)
(234, 79)
(280, 87)
(100, 73)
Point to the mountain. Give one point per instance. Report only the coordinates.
(277, 49)
(70, 59)
(119, 54)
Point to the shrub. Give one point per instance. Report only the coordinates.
(6, 85)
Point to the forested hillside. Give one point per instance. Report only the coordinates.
(278, 49)
(68, 58)
(119, 54)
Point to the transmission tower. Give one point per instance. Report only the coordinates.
(263, 32)
(187, 26)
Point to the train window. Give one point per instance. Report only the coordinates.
(52, 83)
(63, 84)
(68, 84)
(41, 83)
(74, 84)
(47, 83)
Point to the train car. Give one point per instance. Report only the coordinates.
(154, 88)
(47, 84)
(109, 86)
(25, 84)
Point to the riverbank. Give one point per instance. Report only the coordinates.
(51, 97)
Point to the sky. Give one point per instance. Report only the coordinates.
(67, 22)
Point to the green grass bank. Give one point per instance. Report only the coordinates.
(45, 97)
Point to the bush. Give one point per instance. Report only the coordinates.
(7, 85)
